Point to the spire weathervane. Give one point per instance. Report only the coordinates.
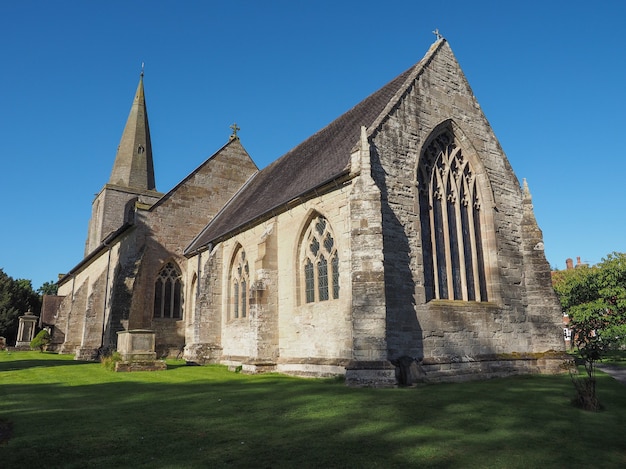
(235, 128)
(142, 68)
(437, 33)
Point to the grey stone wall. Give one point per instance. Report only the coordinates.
(111, 208)
(171, 224)
(451, 330)
(368, 281)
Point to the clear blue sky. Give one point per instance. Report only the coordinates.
(549, 75)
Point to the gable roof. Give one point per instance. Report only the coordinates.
(173, 190)
(321, 158)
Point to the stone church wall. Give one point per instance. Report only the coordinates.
(314, 337)
(171, 224)
(83, 310)
(449, 331)
(281, 332)
(382, 315)
(204, 329)
(113, 207)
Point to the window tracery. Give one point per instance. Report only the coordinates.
(168, 293)
(320, 262)
(239, 281)
(450, 217)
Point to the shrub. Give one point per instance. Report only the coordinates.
(109, 361)
(41, 341)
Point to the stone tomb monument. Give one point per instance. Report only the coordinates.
(26, 330)
(137, 350)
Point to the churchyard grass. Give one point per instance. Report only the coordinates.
(72, 414)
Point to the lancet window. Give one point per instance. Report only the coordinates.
(239, 283)
(320, 262)
(168, 293)
(450, 216)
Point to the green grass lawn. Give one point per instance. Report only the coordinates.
(73, 414)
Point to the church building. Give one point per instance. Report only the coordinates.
(395, 244)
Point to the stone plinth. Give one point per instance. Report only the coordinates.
(371, 374)
(137, 349)
(136, 345)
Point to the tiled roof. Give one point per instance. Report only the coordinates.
(321, 158)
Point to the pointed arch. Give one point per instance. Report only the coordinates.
(318, 261)
(454, 219)
(238, 284)
(168, 292)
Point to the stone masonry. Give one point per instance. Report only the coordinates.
(375, 306)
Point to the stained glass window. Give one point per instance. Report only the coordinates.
(319, 247)
(168, 293)
(450, 214)
(239, 280)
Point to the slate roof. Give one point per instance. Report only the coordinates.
(318, 160)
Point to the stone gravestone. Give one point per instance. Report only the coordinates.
(136, 348)
(26, 330)
(3, 343)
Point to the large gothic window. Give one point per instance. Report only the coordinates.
(319, 263)
(168, 293)
(450, 216)
(239, 283)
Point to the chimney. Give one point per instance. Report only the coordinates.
(578, 261)
(569, 264)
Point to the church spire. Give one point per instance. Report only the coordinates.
(133, 167)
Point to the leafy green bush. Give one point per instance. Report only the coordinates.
(41, 341)
(595, 301)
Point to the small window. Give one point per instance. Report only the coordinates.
(567, 333)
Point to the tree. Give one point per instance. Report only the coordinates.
(48, 288)
(16, 298)
(595, 300)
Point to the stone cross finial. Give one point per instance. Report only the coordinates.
(438, 34)
(235, 129)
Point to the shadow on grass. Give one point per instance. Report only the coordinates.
(27, 363)
(207, 417)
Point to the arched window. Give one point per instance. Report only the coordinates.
(319, 262)
(168, 293)
(450, 216)
(239, 282)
